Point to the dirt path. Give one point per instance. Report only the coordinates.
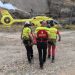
(13, 59)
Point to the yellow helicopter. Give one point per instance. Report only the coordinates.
(7, 19)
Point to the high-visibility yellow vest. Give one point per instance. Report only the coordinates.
(53, 33)
(25, 32)
(42, 28)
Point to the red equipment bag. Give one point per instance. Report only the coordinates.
(42, 34)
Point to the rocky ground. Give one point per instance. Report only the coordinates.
(13, 59)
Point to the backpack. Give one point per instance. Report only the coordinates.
(42, 34)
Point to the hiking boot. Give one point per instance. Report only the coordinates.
(31, 57)
(41, 66)
(49, 56)
(32, 60)
(29, 62)
(53, 59)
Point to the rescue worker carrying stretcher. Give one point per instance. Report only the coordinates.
(26, 36)
(42, 38)
(52, 41)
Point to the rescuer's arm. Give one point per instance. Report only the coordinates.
(59, 36)
(31, 36)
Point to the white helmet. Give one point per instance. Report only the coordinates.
(27, 23)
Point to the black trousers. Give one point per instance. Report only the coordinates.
(42, 50)
(28, 46)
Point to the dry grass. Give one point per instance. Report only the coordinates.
(13, 28)
(72, 27)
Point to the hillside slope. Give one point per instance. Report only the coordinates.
(41, 6)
